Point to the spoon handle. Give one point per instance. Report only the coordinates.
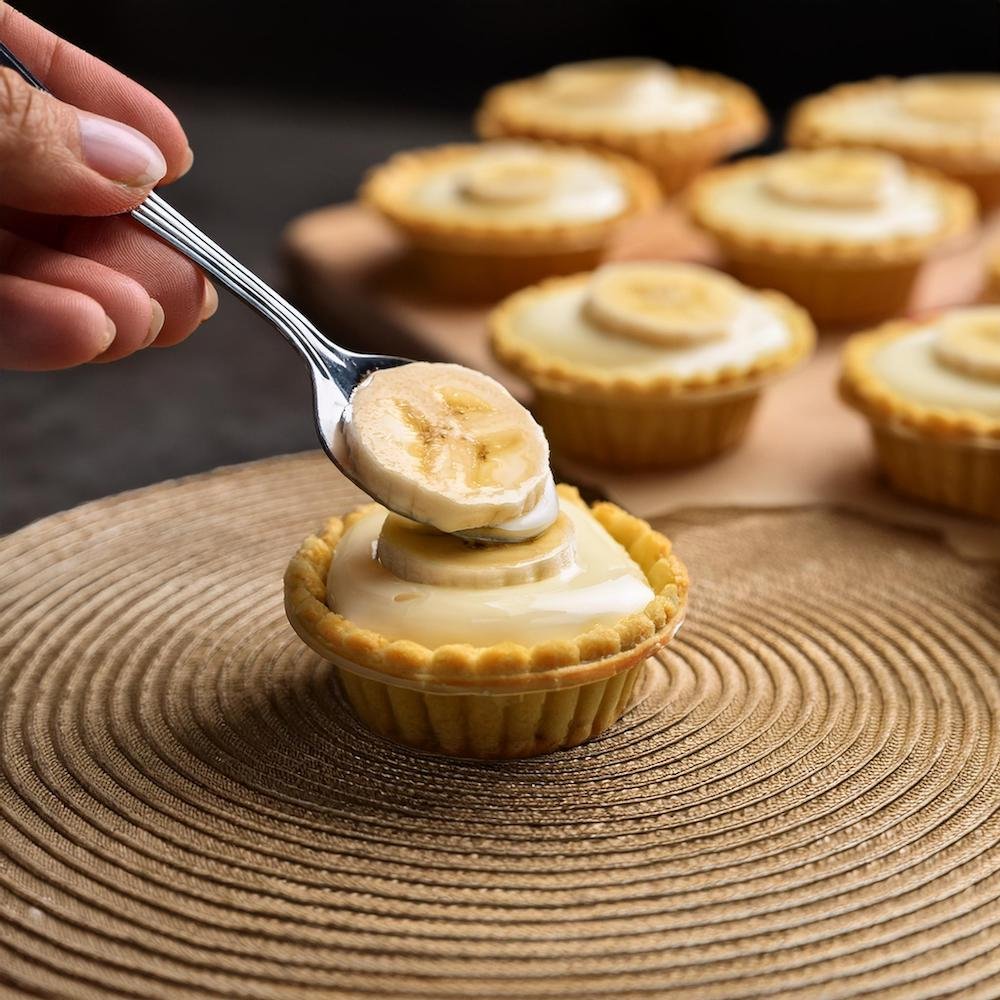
(325, 358)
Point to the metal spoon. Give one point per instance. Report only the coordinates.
(335, 372)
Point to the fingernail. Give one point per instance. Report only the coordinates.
(119, 152)
(155, 323)
(110, 333)
(211, 301)
(187, 162)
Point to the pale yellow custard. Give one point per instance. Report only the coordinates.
(920, 110)
(749, 199)
(559, 324)
(911, 367)
(600, 587)
(514, 183)
(639, 94)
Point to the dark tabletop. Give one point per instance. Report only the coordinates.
(234, 391)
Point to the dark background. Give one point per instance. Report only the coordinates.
(287, 104)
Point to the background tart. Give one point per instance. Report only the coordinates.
(842, 231)
(931, 392)
(947, 121)
(484, 218)
(676, 121)
(558, 693)
(619, 400)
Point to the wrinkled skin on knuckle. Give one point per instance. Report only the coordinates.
(29, 125)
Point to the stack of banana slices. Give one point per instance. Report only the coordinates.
(465, 469)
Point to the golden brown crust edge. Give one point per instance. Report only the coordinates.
(959, 214)
(979, 154)
(865, 392)
(742, 123)
(385, 184)
(557, 375)
(506, 667)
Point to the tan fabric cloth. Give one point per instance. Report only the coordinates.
(805, 802)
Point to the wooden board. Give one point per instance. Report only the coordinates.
(348, 269)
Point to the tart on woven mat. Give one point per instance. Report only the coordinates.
(467, 646)
(930, 390)
(483, 219)
(844, 232)
(648, 364)
(676, 121)
(947, 121)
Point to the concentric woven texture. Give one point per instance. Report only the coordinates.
(804, 803)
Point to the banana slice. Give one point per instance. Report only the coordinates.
(421, 554)
(447, 446)
(516, 178)
(611, 82)
(967, 100)
(836, 178)
(667, 304)
(969, 342)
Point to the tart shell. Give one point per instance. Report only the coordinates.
(675, 155)
(629, 422)
(470, 257)
(494, 701)
(942, 456)
(838, 281)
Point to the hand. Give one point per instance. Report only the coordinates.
(77, 289)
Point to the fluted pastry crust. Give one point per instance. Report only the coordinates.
(507, 667)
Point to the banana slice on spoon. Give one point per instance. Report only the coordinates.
(450, 447)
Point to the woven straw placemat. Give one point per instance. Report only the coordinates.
(804, 802)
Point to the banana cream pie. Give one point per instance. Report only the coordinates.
(646, 365)
(931, 392)
(676, 121)
(458, 643)
(949, 121)
(844, 232)
(483, 219)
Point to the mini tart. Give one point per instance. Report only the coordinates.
(505, 700)
(511, 236)
(674, 150)
(831, 259)
(945, 454)
(950, 122)
(637, 417)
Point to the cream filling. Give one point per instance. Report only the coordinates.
(646, 97)
(557, 325)
(602, 587)
(883, 115)
(914, 209)
(581, 188)
(908, 366)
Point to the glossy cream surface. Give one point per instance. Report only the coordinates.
(909, 367)
(914, 209)
(620, 94)
(557, 324)
(895, 113)
(583, 187)
(603, 586)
